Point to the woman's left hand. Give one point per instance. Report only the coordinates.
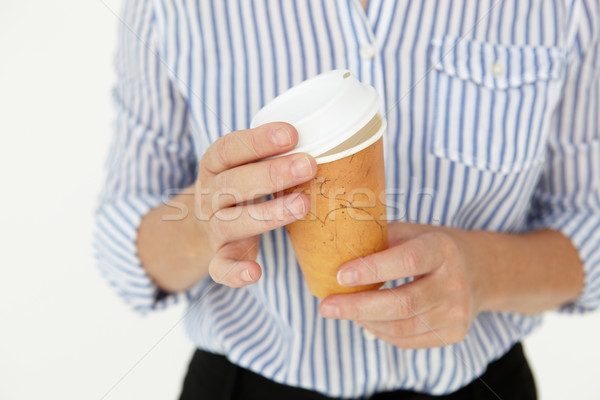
(437, 307)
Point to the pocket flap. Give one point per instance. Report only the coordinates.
(496, 66)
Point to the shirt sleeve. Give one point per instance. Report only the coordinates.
(568, 195)
(151, 155)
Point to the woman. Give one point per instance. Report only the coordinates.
(492, 163)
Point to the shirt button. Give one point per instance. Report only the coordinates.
(368, 51)
(367, 334)
(497, 69)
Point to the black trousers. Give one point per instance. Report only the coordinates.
(213, 377)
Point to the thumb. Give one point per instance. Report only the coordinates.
(234, 264)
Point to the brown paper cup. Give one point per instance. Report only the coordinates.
(338, 122)
(347, 218)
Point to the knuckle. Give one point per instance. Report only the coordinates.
(406, 305)
(412, 259)
(255, 146)
(445, 243)
(271, 175)
(374, 269)
(222, 151)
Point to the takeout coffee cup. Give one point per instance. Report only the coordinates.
(338, 122)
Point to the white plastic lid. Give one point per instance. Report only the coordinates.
(325, 110)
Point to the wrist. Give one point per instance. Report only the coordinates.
(525, 273)
(483, 263)
(171, 245)
(195, 237)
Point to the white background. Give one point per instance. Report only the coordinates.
(63, 333)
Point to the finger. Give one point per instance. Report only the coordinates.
(235, 223)
(251, 181)
(402, 302)
(233, 265)
(244, 146)
(437, 338)
(434, 319)
(415, 257)
(400, 232)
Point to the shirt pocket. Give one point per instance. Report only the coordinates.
(491, 104)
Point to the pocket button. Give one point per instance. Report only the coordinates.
(498, 69)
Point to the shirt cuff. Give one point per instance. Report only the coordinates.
(115, 237)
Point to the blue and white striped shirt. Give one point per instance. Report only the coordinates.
(493, 123)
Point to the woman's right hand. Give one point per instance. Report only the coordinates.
(230, 205)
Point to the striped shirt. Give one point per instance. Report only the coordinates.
(493, 123)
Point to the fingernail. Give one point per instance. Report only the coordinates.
(296, 207)
(301, 168)
(281, 137)
(330, 311)
(246, 277)
(347, 276)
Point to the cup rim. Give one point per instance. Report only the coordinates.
(355, 149)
